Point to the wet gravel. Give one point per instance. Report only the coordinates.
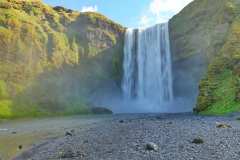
(125, 137)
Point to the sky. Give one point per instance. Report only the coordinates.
(129, 13)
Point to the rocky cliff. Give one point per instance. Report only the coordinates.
(52, 58)
(205, 45)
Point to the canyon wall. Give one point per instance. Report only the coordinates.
(205, 47)
(53, 58)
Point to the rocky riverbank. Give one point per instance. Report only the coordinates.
(17, 136)
(151, 137)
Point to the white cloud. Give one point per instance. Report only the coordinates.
(173, 6)
(160, 11)
(89, 8)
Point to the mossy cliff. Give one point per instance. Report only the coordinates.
(51, 59)
(207, 33)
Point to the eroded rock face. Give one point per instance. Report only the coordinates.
(51, 59)
(205, 49)
(195, 33)
(200, 28)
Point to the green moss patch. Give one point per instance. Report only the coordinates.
(219, 90)
(6, 109)
(225, 95)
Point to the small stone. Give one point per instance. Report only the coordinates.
(20, 147)
(151, 146)
(68, 134)
(101, 110)
(80, 154)
(170, 122)
(14, 132)
(221, 125)
(198, 141)
(159, 118)
(67, 154)
(121, 121)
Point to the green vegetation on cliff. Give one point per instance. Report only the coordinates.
(210, 31)
(225, 93)
(5, 103)
(51, 59)
(219, 90)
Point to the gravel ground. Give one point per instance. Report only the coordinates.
(17, 136)
(125, 137)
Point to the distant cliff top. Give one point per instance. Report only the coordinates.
(27, 5)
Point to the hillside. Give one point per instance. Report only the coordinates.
(52, 58)
(206, 33)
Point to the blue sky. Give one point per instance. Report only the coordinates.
(129, 13)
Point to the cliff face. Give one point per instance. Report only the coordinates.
(51, 59)
(205, 46)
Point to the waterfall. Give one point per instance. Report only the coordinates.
(147, 65)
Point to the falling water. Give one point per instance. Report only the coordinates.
(147, 65)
